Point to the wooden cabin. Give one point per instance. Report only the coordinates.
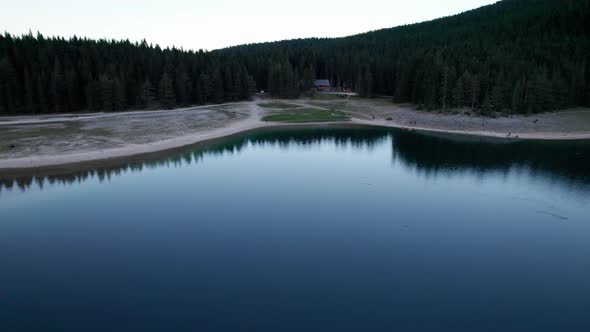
(322, 85)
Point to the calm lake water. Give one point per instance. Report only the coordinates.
(306, 230)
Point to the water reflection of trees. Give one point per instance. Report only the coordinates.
(434, 154)
(426, 154)
(358, 138)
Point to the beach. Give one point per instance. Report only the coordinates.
(29, 142)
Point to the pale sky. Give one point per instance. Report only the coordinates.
(198, 24)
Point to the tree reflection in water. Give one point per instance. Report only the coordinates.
(566, 163)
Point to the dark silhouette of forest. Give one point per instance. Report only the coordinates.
(54, 75)
(516, 56)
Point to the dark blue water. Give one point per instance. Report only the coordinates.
(306, 230)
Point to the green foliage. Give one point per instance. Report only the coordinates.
(42, 75)
(364, 82)
(147, 95)
(166, 92)
(308, 79)
(527, 56)
(539, 48)
(8, 79)
(283, 81)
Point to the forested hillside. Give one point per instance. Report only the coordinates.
(40, 75)
(517, 55)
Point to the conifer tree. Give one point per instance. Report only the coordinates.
(517, 97)
(497, 98)
(119, 95)
(206, 84)
(58, 91)
(444, 88)
(474, 90)
(218, 91)
(368, 83)
(459, 93)
(308, 79)
(166, 92)
(107, 93)
(72, 90)
(41, 96)
(93, 95)
(7, 87)
(29, 94)
(184, 88)
(251, 86)
(147, 96)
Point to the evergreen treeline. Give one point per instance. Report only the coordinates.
(518, 55)
(41, 75)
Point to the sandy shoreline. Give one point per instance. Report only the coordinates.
(250, 121)
(127, 151)
(544, 136)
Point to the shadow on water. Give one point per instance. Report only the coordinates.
(565, 162)
(568, 161)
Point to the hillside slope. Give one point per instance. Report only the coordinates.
(523, 55)
(519, 56)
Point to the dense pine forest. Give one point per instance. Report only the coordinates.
(41, 75)
(517, 56)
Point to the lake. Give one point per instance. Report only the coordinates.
(317, 229)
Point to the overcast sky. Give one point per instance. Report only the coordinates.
(196, 24)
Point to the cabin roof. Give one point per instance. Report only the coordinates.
(322, 82)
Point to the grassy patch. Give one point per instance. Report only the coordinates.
(335, 105)
(307, 115)
(325, 96)
(278, 105)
